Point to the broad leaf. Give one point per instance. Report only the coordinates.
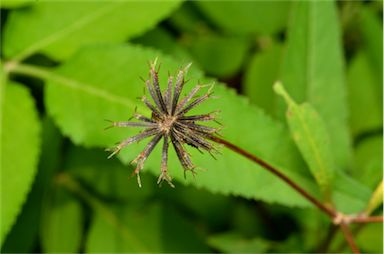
(59, 28)
(97, 90)
(19, 150)
(257, 17)
(311, 137)
(262, 72)
(154, 228)
(313, 69)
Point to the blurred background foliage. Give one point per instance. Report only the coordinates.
(81, 63)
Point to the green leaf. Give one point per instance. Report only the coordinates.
(376, 199)
(313, 70)
(154, 228)
(371, 28)
(62, 222)
(60, 28)
(364, 95)
(19, 151)
(258, 17)
(260, 75)
(15, 3)
(368, 166)
(107, 178)
(23, 236)
(311, 137)
(232, 242)
(221, 56)
(97, 90)
(370, 238)
(161, 39)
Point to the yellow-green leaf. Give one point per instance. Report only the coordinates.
(311, 137)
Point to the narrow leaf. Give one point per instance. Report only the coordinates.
(311, 137)
(313, 70)
(376, 199)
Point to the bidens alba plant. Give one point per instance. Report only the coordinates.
(170, 122)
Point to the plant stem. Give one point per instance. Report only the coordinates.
(367, 219)
(327, 210)
(348, 236)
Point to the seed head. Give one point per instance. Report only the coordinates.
(170, 123)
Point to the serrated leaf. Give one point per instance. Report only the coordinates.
(313, 70)
(97, 90)
(261, 73)
(23, 236)
(154, 228)
(257, 17)
(60, 28)
(19, 151)
(311, 137)
(62, 222)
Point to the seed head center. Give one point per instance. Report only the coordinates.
(167, 123)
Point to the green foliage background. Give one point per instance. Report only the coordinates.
(68, 65)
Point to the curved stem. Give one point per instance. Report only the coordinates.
(327, 210)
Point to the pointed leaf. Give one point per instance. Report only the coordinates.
(19, 151)
(311, 137)
(313, 70)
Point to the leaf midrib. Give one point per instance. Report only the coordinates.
(41, 73)
(312, 144)
(85, 20)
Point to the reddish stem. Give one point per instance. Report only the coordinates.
(348, 236)
(327, 210)
(367, 219)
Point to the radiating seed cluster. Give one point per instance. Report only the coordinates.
(170, 123)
